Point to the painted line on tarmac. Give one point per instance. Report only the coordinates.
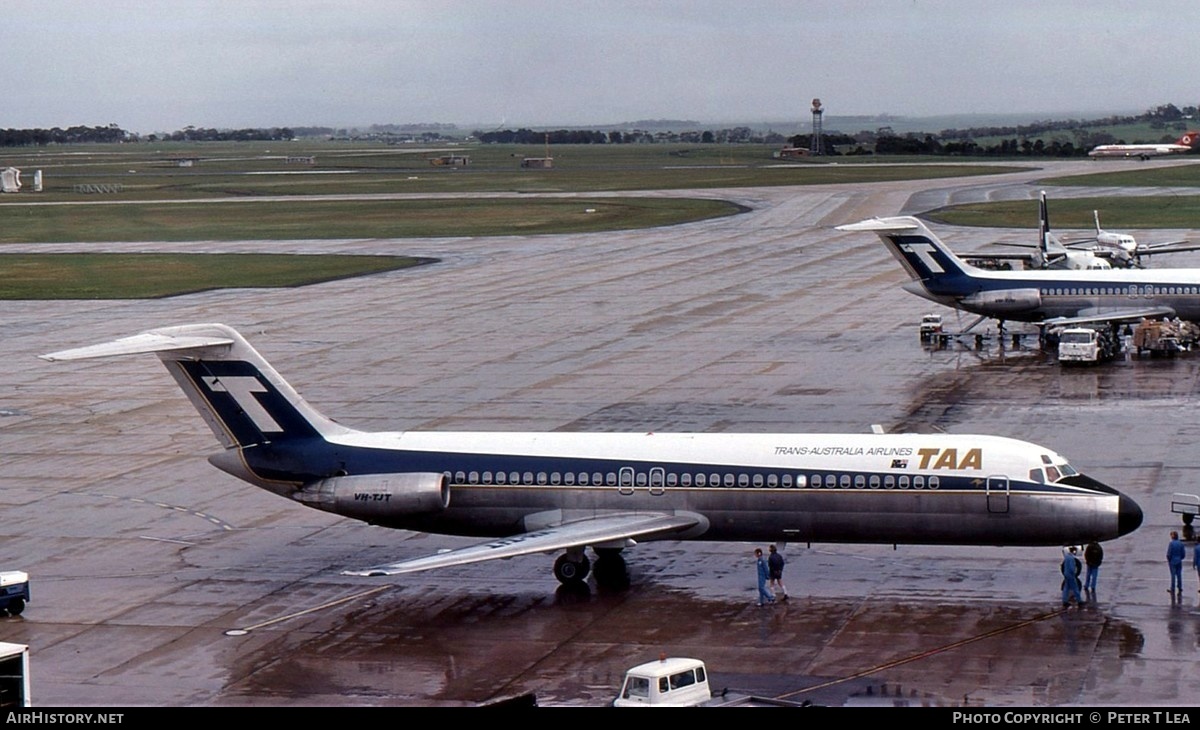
(287, 617)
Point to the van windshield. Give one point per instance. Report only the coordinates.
(636, 687)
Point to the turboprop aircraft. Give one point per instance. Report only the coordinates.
(1124, 248)
(1046, 296)
(544, 492)
(1049, 252)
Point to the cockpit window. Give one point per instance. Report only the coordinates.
(1068, 470)
(1046, 459)
(1037, 476)
(1052, 474)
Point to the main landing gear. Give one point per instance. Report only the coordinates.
(573, 566)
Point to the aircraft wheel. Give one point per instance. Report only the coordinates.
(569, 569)
(611, 571)
(16, 606)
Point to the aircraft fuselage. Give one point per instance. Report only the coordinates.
(901, 488)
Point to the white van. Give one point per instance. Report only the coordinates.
(668, 682)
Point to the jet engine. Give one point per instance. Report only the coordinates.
(375, 497)
(1003, 301)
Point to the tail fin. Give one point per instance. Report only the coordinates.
(922, 254)
(1188, 139)
(241, 397)
(1043, 224)
(1050, 249)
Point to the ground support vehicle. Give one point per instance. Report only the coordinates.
(14, 591)
(1163, 337)
(930, 327)
(1087, 345)
(14, 676)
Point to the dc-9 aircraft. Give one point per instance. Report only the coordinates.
(1043, 296)
(544, 492)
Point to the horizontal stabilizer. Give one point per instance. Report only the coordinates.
(239, 395)
(901, 223)
(569, 535)
(146, 342)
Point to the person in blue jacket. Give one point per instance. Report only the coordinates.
(1196, 560)
(1093, 556)
(764, 573)
(1071, 568)
(1175, 555)
(775, 563)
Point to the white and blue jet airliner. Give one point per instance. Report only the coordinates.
(542, 492)
(1041, 296)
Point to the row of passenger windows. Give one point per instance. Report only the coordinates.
(1133, 291)
(659, 478)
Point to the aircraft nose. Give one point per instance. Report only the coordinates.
(1129, 516)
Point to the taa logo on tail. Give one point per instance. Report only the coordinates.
(924, 253)
(242, 389)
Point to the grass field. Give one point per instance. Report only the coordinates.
(147, 172)
(1165, 211)
(305, 218)
(1126, 173)
(216, 191)
(137, 276)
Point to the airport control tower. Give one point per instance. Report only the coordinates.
(815, 147)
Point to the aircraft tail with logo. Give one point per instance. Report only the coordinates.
(937, 272)
(245, 402)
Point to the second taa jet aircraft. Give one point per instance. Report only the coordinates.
(1045, 296)
(542, 492)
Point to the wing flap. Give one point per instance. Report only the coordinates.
(1115, 315)
(560, 537)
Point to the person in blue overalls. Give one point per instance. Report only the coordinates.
(764, 573)
(1071, 568)
(1175, 555)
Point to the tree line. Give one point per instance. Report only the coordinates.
(56, 135)
(731, 135)
(201, 134)
(1020, 140)
(114, 134)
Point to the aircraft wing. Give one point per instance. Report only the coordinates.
(1167, 247)
(1014, 244)
(613, 528)
(1113, 315)
(996, 256)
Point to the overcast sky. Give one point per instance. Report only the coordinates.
(160, 66)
